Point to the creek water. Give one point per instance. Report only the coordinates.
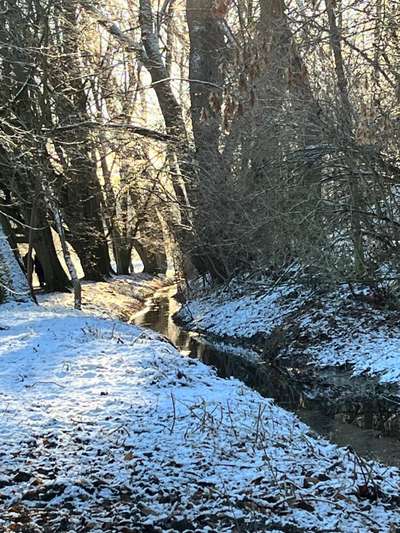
(272, 382)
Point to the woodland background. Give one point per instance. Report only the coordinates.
(210, 136)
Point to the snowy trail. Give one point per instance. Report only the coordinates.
(105, 426)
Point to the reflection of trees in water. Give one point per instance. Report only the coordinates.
(159, 318)
(268, 381)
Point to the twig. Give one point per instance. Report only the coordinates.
(174, 411)
(43, 383)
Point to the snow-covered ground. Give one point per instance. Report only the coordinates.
(330, 329)
(120, 297)
(105, 426)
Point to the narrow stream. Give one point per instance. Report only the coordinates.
(271, 382)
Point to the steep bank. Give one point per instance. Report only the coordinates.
(343, 347)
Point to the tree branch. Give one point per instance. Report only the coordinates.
(139, 130)
(104, 20)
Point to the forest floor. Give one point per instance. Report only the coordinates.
(104, 426)
(120, 297)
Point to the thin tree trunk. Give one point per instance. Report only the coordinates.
(68, 261)
(347, 130)
(148, 52)
(205, 58)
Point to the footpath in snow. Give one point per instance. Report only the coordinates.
(106, 427)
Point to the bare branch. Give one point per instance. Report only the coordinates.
(139, 130)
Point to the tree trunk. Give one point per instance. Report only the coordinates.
(170, 108)
(346, 118)
(42, 241)
(148, 52)
(206, 52)
(153, 262)
(80, 190)
(68, 261)
(207, 46)
(123, 258)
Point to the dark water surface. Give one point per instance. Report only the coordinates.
(277, 383)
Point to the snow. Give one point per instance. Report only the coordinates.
(243, 316)
(13, 282)
(338, 330)
(120, 297)
(105, 426)
(376, 353)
